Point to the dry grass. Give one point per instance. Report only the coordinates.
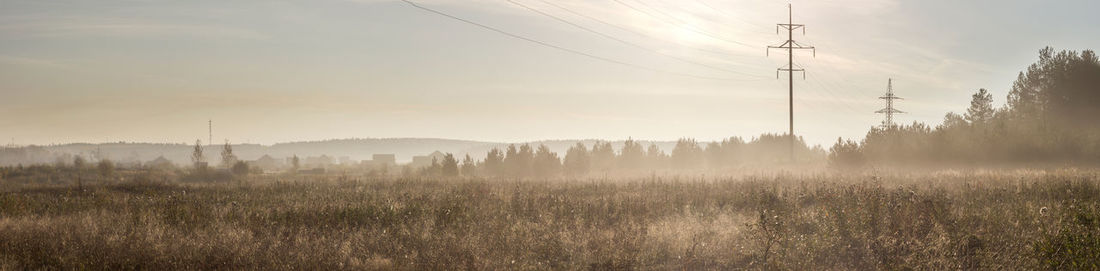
(974, 220)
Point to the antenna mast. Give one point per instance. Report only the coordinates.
(790, 45)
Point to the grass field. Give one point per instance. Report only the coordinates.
(950, 220)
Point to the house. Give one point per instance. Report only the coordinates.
(384, 159)
(344, 160)
(426, 160)
(380, 161)
(160, 161)
(267, 163)
(323, 161)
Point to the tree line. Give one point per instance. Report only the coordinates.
(1051, 115)
(601, 158)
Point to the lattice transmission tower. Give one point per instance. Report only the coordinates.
(889, 110)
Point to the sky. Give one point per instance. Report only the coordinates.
(276, 71)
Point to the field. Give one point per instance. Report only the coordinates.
(994, 220)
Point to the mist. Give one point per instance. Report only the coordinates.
(549, 135)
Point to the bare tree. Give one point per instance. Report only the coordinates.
(197, 157)
(228, 158)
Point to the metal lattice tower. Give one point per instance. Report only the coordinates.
(889, 110)
(790, 45)
(210, 130)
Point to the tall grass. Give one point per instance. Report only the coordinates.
(974, 220)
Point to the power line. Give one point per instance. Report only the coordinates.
(757, 27)
(831, 94)
(693, 15)
(831, 90)
(688, 24)
(830, 72)
(727, 15)
(680, 25)
(630, 43)
(551, 3)
(560, 48)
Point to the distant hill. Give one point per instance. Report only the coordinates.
(355, 149)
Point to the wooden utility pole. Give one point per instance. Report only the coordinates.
(790, 45)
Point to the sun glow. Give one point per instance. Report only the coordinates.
(690, 32)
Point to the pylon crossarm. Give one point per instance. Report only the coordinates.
(792, 26)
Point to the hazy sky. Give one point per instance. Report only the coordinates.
(274, 71)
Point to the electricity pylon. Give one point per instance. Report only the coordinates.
(790, 45)
(889, 110)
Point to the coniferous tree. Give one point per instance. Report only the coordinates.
(846, 154)
(981, 108)
(687, 154)
(546, 163)
(469, 166)
(512, 162)
(655, 158)
(577, 161)
(494, 163)
(733, 151)
(715, 155)
(525, 160)
(631, 155)
(449, 165)
(435, 169)
(602, 157)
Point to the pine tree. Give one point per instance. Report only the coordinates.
(577, 161)
(546, 163)
(631, 155)
(494, 162)
(449, 165)
(603, 156)
(981, 108)
(687, 154)
(469, 166)
(655, 157)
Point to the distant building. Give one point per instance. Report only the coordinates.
(267, 163)
(425, 161)
(344, 160)
(323, 161)
(160, 161)
(386, 159)
(380, 161)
